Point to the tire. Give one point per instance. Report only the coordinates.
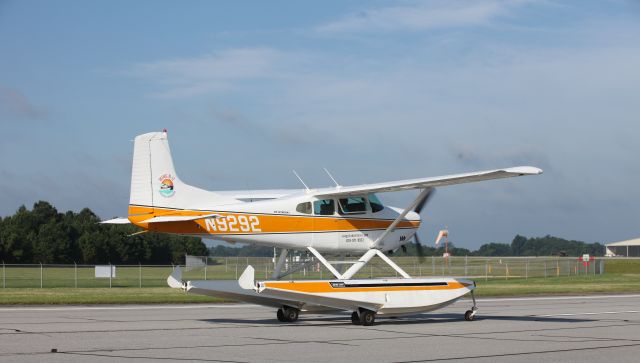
(291, 314)
(367, 317)
(355, 319)
(280, 315)
(469, 315)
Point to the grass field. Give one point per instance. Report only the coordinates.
(607, 283)
(116, 295)
(23, 283)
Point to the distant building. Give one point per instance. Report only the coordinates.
(630, 248)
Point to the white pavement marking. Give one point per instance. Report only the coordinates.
(136, 307)
(598, 313)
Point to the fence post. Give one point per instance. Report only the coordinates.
(139, 274)
(486, 270)
(526, 268)
(4, 279)
(41, 275)
(465, 265)
(506, 268)
(205, 269)
(75, 274)
(601, 266)
(545, 269)
(110, 274)
(568, 267)
(433, 265)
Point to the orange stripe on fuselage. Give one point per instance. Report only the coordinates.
(323, 286)
(267, 223)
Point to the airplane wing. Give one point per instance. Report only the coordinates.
(432, 182)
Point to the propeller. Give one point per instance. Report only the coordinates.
(424, 200)
(418, 209)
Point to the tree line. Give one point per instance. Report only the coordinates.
(43, 235)
(520, 246)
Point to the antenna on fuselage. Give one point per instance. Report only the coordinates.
(331, 176)
(301, 181)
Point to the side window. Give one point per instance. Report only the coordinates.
(352, 205)
(324, 207)
(376, 204)
(304, 208)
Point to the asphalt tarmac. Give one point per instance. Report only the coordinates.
(578, 329)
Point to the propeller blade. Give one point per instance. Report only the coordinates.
(424, 201)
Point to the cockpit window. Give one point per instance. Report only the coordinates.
(376, 204)
(352, 205)
(324, 207)
(304, 208)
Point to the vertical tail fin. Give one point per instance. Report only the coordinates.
(154, 182)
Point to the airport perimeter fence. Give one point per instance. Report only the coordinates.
(228, 268)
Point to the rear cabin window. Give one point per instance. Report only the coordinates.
(324, 207)
(352, 205)
(304, 208)
(376, 204)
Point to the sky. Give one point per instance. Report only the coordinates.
(372, 90)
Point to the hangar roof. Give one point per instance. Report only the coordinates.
(631, 242)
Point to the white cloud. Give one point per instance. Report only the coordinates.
(421, 15)
(185, 77)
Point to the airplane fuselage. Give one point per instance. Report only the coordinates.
(293, 223)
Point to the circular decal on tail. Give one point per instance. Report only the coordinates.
(166, 185)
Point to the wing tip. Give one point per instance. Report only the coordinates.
(524, 170)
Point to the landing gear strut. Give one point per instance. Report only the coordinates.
(470, 315)
(287, 314)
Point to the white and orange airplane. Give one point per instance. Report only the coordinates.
(332, 220)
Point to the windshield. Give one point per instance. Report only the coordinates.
(376, 204)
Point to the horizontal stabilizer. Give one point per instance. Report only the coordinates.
(165, 219)
(118, 220)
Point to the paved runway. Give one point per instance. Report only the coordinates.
(554, 329)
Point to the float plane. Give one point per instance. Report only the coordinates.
(332, 220)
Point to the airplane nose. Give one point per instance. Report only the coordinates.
(412, 216)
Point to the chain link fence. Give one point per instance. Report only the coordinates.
(305, 267)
